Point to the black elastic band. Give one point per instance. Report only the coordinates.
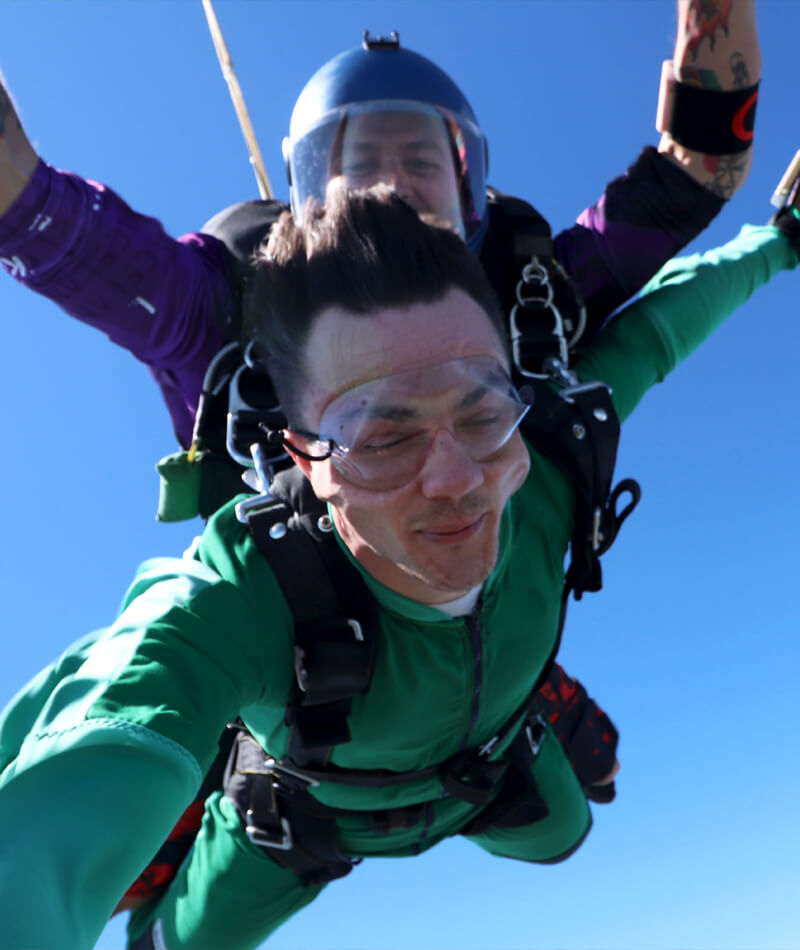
(787, 222)
(710, 120)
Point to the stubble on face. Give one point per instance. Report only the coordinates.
(419, 553)
(428, 544)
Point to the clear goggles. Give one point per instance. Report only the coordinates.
(378, 435)
(319, 153)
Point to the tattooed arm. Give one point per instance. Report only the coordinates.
(17, 157)
(716, 48)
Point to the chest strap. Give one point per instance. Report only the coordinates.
(280, 815)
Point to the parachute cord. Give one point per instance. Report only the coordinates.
(226, 65)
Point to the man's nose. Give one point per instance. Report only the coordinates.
(448, 472)
(393, 174)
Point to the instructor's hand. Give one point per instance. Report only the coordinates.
(17, 156)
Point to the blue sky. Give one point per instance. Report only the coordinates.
(692, 646)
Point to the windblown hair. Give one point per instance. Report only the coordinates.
(363, 252)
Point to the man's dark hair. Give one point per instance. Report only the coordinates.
(364, 251)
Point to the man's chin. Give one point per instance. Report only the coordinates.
(457, 579)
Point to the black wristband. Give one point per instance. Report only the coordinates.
(788, 223)
(710, 120)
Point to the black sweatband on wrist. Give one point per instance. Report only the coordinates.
(788, 223)
(708, 120)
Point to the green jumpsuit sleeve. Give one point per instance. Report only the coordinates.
(678, 309)
(120, 746)
(68, 851)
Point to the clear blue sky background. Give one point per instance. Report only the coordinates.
(692, 646)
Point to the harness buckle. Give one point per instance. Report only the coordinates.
(597, 535)
(251, 505)
(265, 838)
(568, 393)
(355, 626)
(281, 769)
(535, 732)
(486, 748)
(301, 655)
(530, 344)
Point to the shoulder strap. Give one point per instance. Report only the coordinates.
(201, 479)
(575, 426)
(516, 233)
(243, 226)
(334, 616)
(517, 255)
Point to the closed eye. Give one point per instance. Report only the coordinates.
(420, 166)
(385, 444)
(363, 166)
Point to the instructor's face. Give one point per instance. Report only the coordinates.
(435, 537)
(410, 152)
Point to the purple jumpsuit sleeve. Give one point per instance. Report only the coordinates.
(79, 244)
(643, 219)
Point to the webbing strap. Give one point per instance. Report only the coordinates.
(333, 617)
(519, 237)
(294, 837)
(577, 429)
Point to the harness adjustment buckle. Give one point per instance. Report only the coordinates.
(597, 535)
(486, 748)
(265, 838)
(533, 344)
(535, 732)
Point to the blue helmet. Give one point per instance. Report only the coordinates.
(380, 76)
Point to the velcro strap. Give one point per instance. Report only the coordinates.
(713, 121)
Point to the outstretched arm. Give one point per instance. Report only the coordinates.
(665, 199)
(682, 306)
(79, 244)
(716, 50)
(17, 156)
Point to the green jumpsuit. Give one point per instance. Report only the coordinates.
(126, 726)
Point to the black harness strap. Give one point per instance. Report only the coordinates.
(302, 839)
(573, 425)
(333, 616)
(576, 428)
(519, 245)
(279, 814)
(336, 638)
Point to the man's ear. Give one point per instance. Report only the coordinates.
(303, 464)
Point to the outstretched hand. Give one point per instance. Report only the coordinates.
(17, 156)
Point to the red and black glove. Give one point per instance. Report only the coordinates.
(588, 737)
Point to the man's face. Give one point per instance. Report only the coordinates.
(408, 151)
(435, 537)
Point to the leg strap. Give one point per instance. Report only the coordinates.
(270, 806)
(519, 802)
